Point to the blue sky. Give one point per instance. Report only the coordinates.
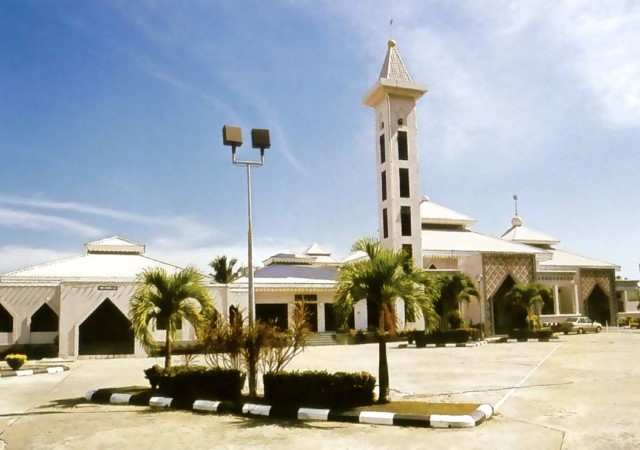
(111, 115)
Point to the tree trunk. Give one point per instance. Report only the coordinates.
(253, 375)
(384, 395)
(167, 350)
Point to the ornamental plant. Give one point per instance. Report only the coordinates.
(15, 360)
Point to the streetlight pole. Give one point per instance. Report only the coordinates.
(232, 136)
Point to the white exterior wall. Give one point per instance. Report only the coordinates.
(79, 300)
(360, 315)
(22, 302)
(474, 312)
(387, 114)
(441, 263)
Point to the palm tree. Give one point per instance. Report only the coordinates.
(167, 299)
(223, 270)
(527, 297)
(454, 289)
(381, 279)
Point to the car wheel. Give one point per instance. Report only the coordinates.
(598, 329)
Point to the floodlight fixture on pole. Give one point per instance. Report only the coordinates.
(232, 136)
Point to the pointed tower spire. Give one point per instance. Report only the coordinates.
(393, 67)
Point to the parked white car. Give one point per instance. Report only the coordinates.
(580, 325)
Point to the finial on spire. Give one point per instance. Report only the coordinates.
(391, 30)
(515, 200)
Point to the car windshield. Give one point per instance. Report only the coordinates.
(573, 320)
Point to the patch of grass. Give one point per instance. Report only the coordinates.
(127, 390)
(422, 408)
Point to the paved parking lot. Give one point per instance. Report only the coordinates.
(577, 392)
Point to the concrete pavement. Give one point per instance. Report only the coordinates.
(578, 392)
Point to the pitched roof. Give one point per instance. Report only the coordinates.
(393, 66)
(519, 233)
(115, 244)
(316, 249)
(433, 213)
(290, 271)
(115, 259)
(562, 260)
(394, 79)
(457, 243)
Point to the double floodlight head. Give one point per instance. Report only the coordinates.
(232, 136)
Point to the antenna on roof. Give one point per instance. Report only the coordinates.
(515, 201)
(391, 29)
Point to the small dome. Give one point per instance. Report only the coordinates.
(425, 198)
(391, 43)
(516, 221)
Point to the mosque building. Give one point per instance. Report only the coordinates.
(68, 302)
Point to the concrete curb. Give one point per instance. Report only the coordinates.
(448, 345)
(36, 371)
(482, 413)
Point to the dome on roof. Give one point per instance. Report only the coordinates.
(516, 221)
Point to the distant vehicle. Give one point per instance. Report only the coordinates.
(580, 325)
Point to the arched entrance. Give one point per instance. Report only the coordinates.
(106, 332)
(598, 306)
(501, 317)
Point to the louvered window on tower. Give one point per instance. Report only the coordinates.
(383, 182)
(405, 220)
(404, 183)
(403, 148)
(382, 155)
(385, 224)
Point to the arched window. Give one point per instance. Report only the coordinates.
(6, 321)
(44, 319)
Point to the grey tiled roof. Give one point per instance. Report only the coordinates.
(297, 271)
(393, 67)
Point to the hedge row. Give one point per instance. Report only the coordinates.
(543, 334)
(197, 382)
(460, 335)
(319, 389)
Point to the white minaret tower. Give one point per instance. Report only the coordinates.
(393, 99)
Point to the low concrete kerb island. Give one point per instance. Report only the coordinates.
(34, 371)
(482, 413)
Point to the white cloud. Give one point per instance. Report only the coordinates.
(201, 256)
(177, 230)
(26, 220)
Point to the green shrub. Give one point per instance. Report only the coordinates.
(153, 374)
(33, 351)
(543, 334)
(455, 319)
(15, 360)
(197, 382)
(319, 389)
(458, 336)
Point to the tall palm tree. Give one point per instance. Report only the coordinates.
(381, 279)
(224, 272)
(454, 289)
(168, 298)
(527, 297)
